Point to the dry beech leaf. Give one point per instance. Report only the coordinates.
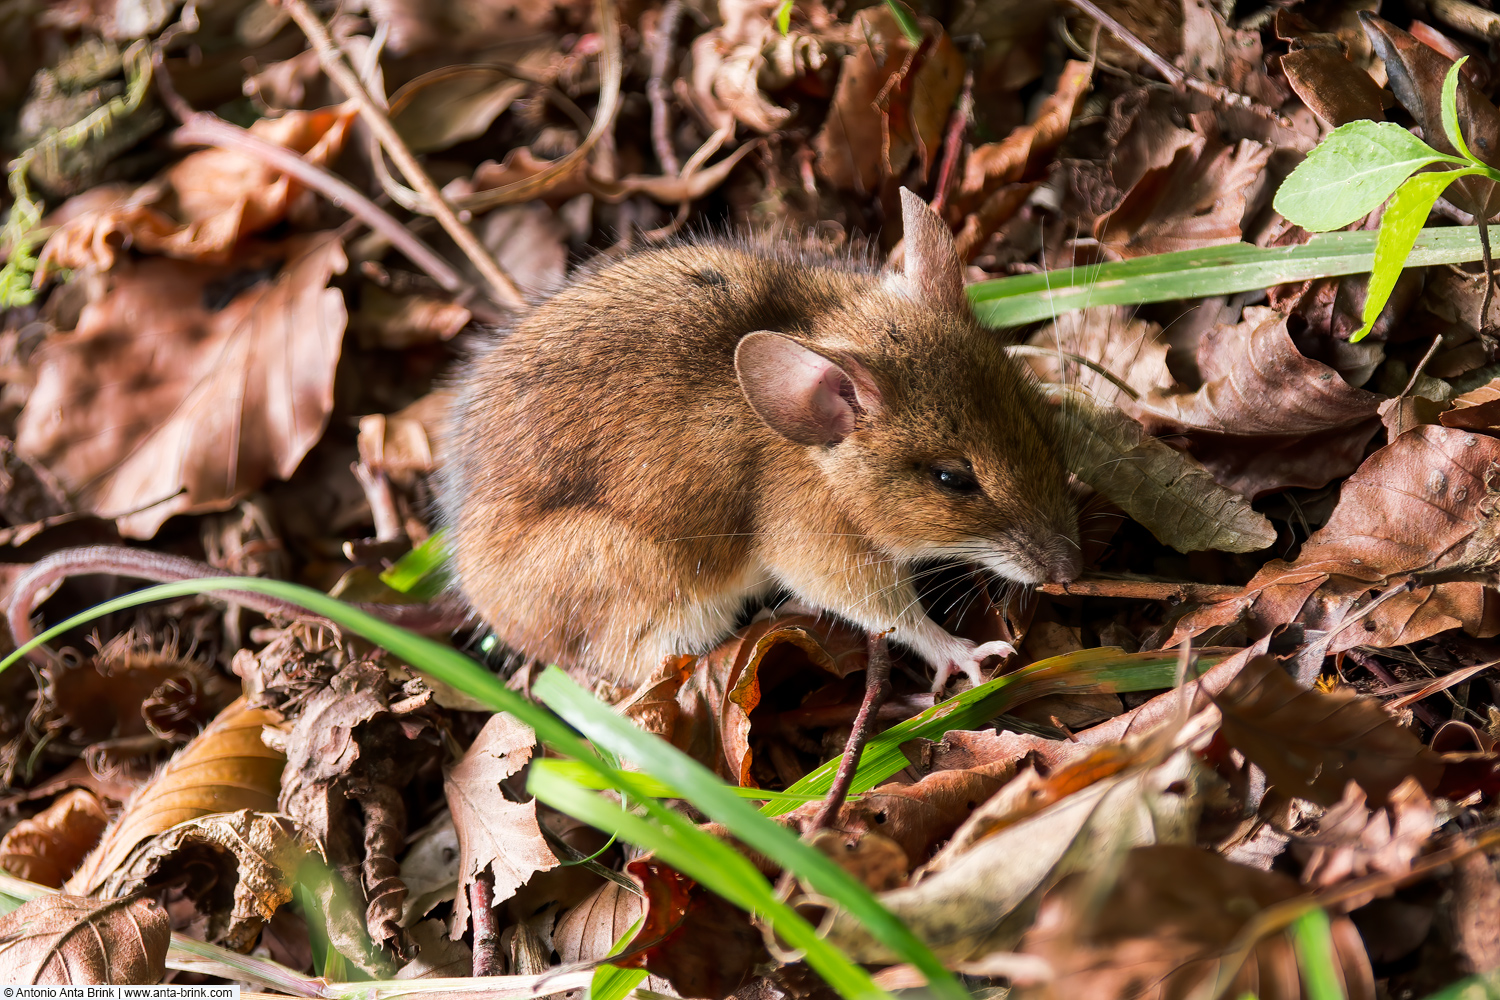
(1316, 431)
(494, 833)
(980, 892)
(1354, 840)
(1310, 743)
(1334, 88)
(439, 956)
(200, 208)
(46, 848)
(396, 322)
(586, 932)
(1413, 505)
(1477, 409)
(1168, 492)
(1162, 929)
(430, 869)
(452, 104)
(226, 768)
(890, 104)
(1131, 349)
(241, 867)
(1196, 200)
(405, 443)
(69, 940)
(155, 406)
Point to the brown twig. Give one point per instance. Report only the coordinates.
(877, 689)
(38, 582)
(332, 59)
(202, 128)
(1387, 678)
(1172, 74)
(488, 960)
(656, 90)
(1146, 590)
(953, 143)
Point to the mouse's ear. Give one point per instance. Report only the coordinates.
(932, 269)
(801, 395)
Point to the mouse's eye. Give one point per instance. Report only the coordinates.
(954, 479)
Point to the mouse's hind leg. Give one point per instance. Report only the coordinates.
(587, 589)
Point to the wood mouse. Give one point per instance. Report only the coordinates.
(688, 429)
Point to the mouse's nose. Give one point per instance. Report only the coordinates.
(1064, 561)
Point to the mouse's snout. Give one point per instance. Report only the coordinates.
(1064, 561)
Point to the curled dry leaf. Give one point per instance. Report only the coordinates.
(69, 940)
(1316, 432)
(154, 405)
(46, 848)
(226, 768)
(982, 890)
(1354, 840)
(452, 104)
(1413, 505)
(1310, 744)
(1133, 350)
(1168, 492)
(405, 443)
(495, 834)
(588, 931)
(1164, 927)
(200, 208)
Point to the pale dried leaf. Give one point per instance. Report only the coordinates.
(494, 833)
(46, 848)
(1168, 492)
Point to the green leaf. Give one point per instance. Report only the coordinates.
(784, 16)
(590, 778)
(1399, 228)
(1086, 671)
(1450, 111)
(422, 571)
(1351, 172)
(906, 22)
(611, 982)
(1312, 938)
(1189, 274)
(699, 786)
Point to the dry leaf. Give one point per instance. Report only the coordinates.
(69, 940)
(1315, 432)
(452, 104)
(1413, 505)
(242, 866)
(46, 848)
(1310, 743)
(202, 206)
(495, 834)
(439, 956)
(588, 931)
(1164, 926)
(1353, 840)
(155, 406)
(1131, 349)
(1166, 491)
(226, 768)
(981, 891)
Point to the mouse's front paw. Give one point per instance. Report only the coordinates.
(968, 660)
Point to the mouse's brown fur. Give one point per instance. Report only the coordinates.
(616, 490)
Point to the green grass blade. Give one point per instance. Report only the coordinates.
(705, 791)
(906, 22)
(1353, 170)
(1190, 274)
(611, 982)
(422, 572)
(1086, 671)
(710, 861)
(1485, 986)
(1399, 228)
(1312, 938)
(655, 787)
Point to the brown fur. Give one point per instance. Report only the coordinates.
(613, 497)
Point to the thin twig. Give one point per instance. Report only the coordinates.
(487, 957)
(877, 689)
(1416, 372)
(202, 128)
(953, 143)
(1146, 590)
(1489, 281)
(332, 59)
(1172, 74)
(656, 90)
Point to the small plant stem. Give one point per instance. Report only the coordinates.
(877, 690)
(1146, 590)
(1489, 282)
(332, 59)
(953, 143)
(656, 89)
(1416, 372)
(143, 564)
(487, 958)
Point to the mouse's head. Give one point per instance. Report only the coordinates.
(933, 440)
